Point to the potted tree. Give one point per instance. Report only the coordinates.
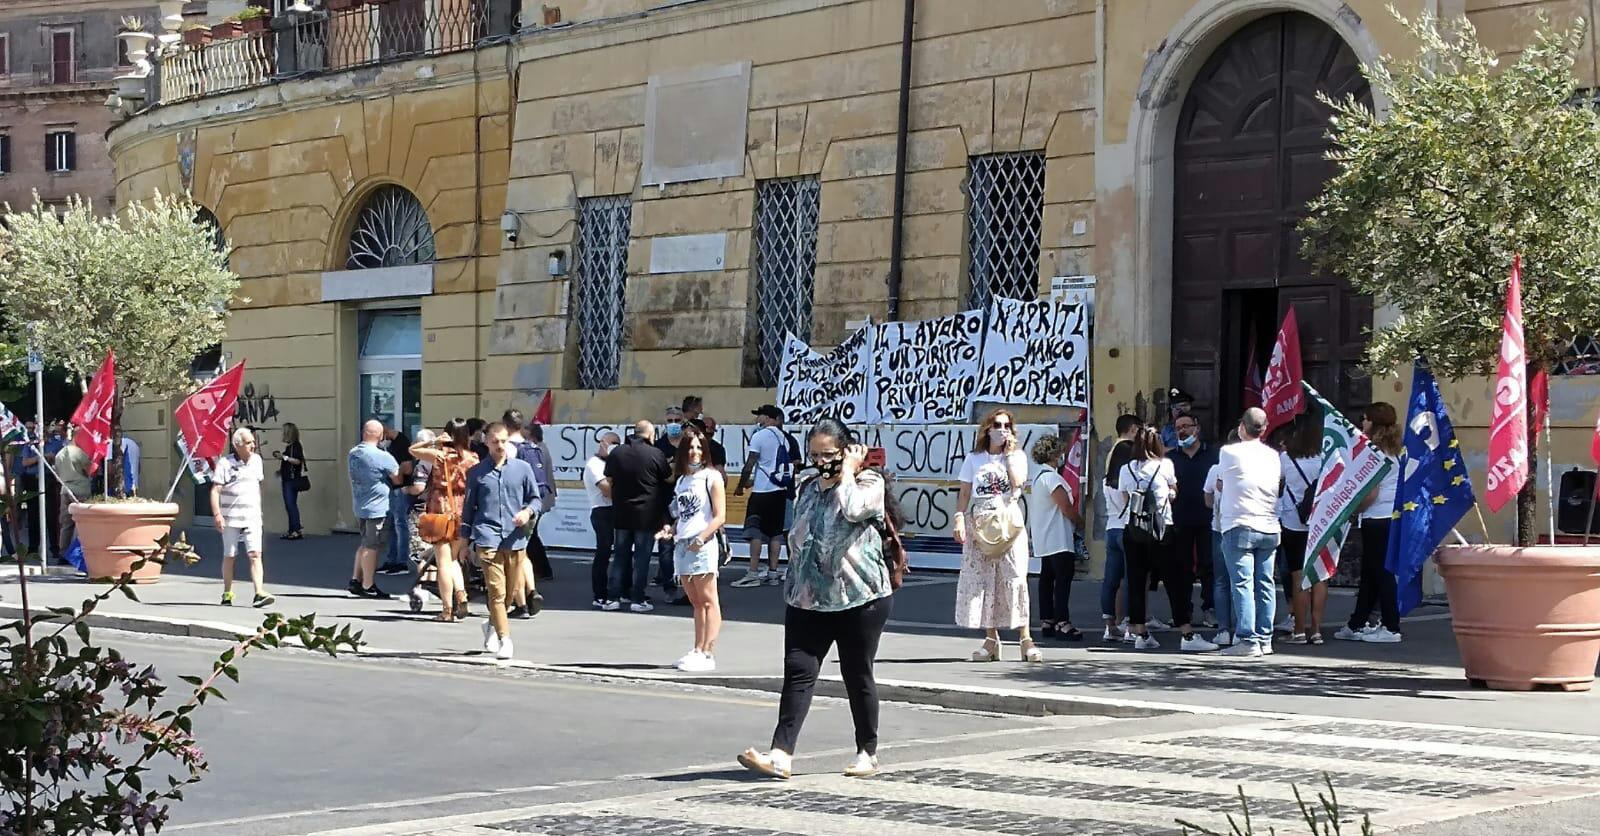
(147, 284)
(1473, 165)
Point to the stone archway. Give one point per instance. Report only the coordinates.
(1249, 152)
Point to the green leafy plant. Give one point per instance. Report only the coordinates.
(1473, 164)
(89, 740)
(252, 13)
(148, 283)
(1311, 814)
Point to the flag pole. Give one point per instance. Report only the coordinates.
(1481, 520)
(1550, 476)
(1588, 524)
(44, 495)
(187, 456)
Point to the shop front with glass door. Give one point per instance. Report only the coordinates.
(389, 365)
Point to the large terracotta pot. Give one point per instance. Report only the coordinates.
(113, 533)
(1525, 617)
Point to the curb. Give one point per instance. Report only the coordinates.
(142, 624)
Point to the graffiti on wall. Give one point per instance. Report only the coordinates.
(256, 407)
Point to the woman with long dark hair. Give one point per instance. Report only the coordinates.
(1381, 425)
(449, 456)
(1301, 463)
(1151, 477)
(699, 510)
(838, 590)
(992, 589)
(291, 467)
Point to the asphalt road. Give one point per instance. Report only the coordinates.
(307, 743)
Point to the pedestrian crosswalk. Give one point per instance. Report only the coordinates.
(1136, 784)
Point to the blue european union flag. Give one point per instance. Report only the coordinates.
(1434, 491)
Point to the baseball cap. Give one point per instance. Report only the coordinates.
(768, 411)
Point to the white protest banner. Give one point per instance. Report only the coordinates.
(813, 385)
(1036, 353)
(925, 372)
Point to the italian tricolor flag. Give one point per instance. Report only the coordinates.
(1351, 468)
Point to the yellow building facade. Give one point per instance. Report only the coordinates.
(626, 200)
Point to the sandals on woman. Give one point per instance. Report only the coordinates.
(990, 652)
(774, 764)
(1030, 651)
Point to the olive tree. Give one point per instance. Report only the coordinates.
(1474, 164)
(148, 283)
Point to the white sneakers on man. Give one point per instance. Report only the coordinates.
(491, 640)
(1196, 644)
(1243, 650)
(1345, 634)
(1223, 638)
(863, 766)
(504, 652)
(1380, 635)
(696, 662)
(1146, 642)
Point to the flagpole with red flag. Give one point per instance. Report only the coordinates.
(203, 417)
(92, 418)
(1282, 395)
(1539, 391)
(1508, 427)
(1594, 496)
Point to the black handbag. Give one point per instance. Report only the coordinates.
(302, 483)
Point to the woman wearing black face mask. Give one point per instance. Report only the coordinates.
(838, 591)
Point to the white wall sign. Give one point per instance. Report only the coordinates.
(378, 282)
(688, 253)
(695, 124)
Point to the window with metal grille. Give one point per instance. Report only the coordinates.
(1006, 193)
(391, 231)
(602, 266)
(1581, 357)
(785, 264)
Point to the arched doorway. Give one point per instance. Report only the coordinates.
(1249, 153)
(391, 230)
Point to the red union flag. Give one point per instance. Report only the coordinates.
(1594, 452)
(1282, 395)
(93, 416)
(1508, 428)
(1072, 471)
(203, 417)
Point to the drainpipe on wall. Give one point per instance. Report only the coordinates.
(902, 129)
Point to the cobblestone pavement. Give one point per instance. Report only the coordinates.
(1138, 784)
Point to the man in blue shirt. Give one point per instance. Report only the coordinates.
(373, 473)
(25, 469)
(1192, 459)
(502, 499)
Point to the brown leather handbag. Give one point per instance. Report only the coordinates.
(442, 527)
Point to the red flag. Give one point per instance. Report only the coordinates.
(1252, 375)
(203, 417)
(1072, 471)
(1539, 391)
(1594, 453)
(1508, 427)
(93, 416)
(1282, 394)
(543, 415)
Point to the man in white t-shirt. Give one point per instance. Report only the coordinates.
(765, 514)
(1250, 473)
(598, 489)
(236, 507)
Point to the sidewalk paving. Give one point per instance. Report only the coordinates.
(921, 659)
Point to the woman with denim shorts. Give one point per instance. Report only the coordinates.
(698, 511)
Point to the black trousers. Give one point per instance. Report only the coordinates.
(602, 520)
(29, 517)
(537, 557)
(1155, 561)
(1191, 545)
(807, 637)
(1378, 587)
(1055, 586)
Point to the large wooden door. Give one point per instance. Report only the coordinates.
(1250, 153)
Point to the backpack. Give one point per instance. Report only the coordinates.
(782, 473)
(1147, 525)
(529, 452)
(1303, 505)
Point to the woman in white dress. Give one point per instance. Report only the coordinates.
(992, 591)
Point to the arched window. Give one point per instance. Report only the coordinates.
(206, 218)
(392, 230)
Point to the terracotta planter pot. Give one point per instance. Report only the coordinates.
(226, 30)
(112, 534)
(197, 37)
(255, 24)
(342, 5)
(1525, 617)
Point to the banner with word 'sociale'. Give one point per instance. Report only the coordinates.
(922, 461)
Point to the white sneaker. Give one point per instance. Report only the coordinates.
(864, 765)
(1146, 643)
(1284, 626)
(1157, 625)
(1266, 648)
(642, 606)
(504, 651)
(684, 659)
(1243, 650)
(611, 606)
(776, 578)
(1382, 635)
(1345, 634)
(491, 640)
(698, 663)
(750, 579)
(598, 603)
(1223, 638)
(1195, 644)
(1111, 635)
(1128, 636)
(1208, 618)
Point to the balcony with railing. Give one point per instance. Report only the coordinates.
(311, 43)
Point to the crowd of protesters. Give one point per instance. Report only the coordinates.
(46, 472)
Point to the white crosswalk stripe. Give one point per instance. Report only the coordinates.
(1130, 785)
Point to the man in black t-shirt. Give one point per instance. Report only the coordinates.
(397, 560)
(641, 488)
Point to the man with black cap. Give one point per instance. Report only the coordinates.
(771, 455)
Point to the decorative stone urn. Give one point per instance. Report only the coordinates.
(113, 534)
(1525, 617)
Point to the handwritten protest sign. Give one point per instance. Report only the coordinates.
(1036, 353)
(925, 372)
(813, 385)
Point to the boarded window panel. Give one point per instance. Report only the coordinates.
(695, 124)
(786, 263)
(602, 262)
